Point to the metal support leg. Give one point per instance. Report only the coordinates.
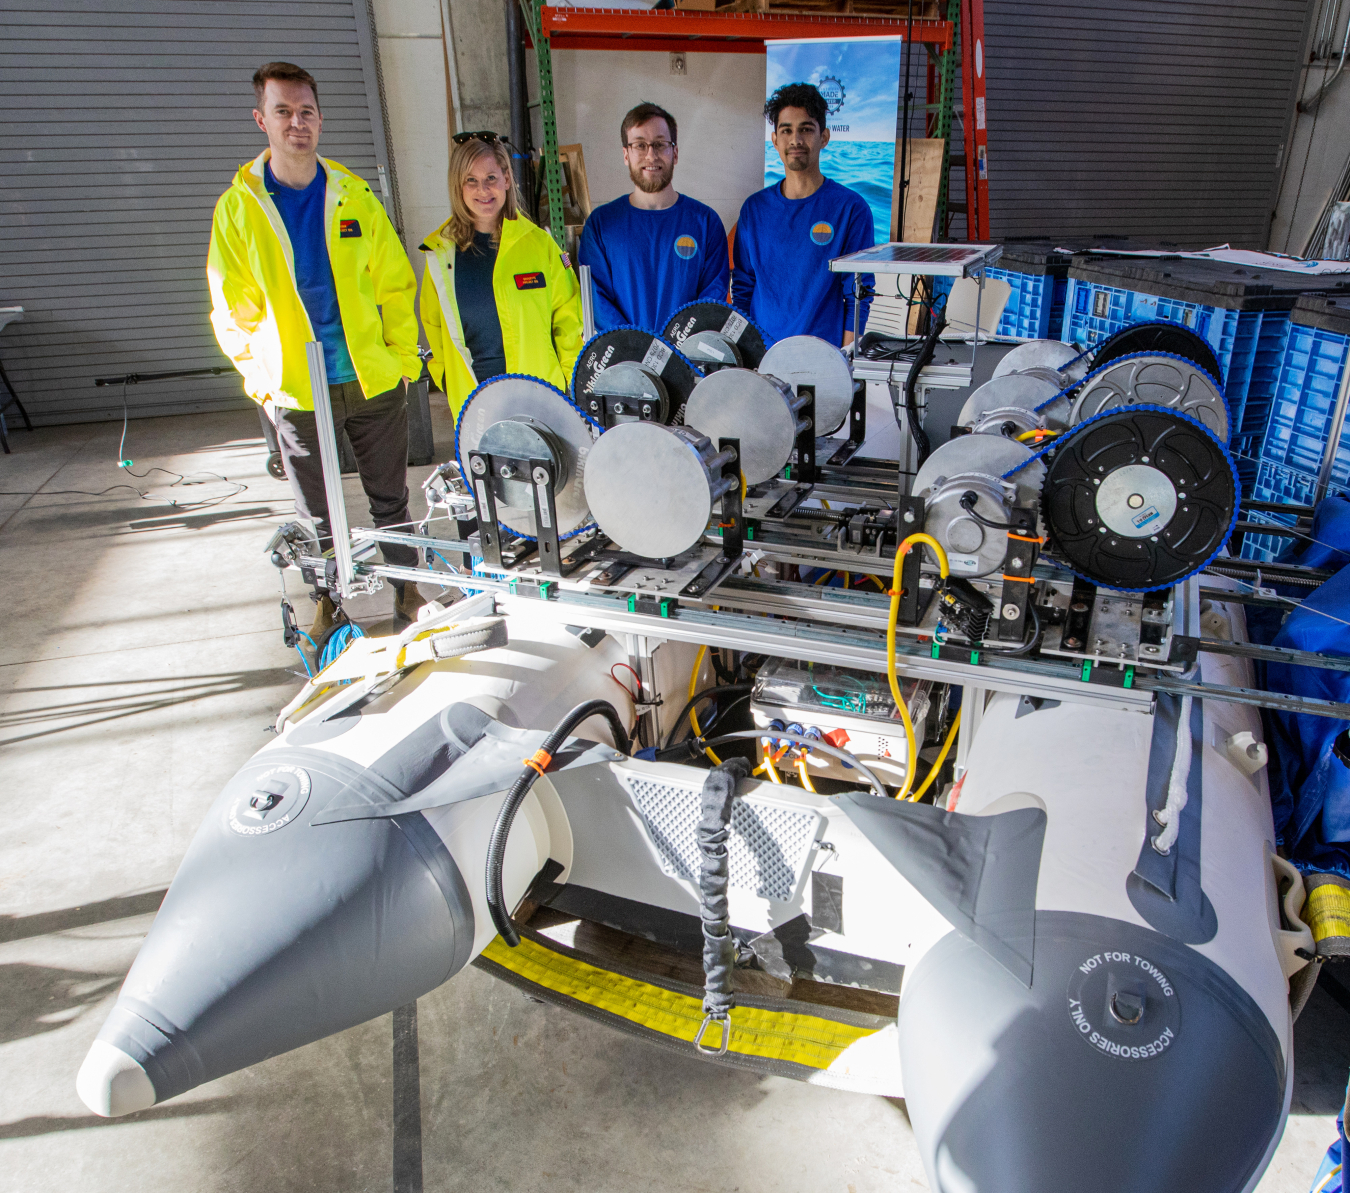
(972, 713)
(332, 470)
(587, 303)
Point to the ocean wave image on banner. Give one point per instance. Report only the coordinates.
(867, 167)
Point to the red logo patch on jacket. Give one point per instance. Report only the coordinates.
(348, 229)
(530, 281)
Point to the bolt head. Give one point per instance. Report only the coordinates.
(647, 409)
(1011, 612)
(540, 476)
(506, 471)
(478, 466)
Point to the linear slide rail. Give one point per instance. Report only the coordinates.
(865, 650)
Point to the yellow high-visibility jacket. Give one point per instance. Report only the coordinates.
(259, 320)
(538, 304)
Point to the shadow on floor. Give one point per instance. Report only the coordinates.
(23, 927)
(35, 999)
(46, 1124)
(143, 696)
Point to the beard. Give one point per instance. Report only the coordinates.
(802, 162)
(652, 183)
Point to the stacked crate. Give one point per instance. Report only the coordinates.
(1300, 416)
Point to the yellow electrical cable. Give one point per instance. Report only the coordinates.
(848, 580)
(806, 779)
(822, 578)
(901, 551)
(768, 769)
(941, 758)
(1037, 434)
(693, 716)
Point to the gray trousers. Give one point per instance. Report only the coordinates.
(378, 432)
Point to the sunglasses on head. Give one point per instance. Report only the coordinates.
(487, 136)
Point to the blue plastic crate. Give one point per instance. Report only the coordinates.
(1092, 312)
(1275, 482)
(1246, 451)
(1305, 398)
(1028, 315)
(1057, 308)
(1271, 344)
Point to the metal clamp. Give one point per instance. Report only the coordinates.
(724, 1022)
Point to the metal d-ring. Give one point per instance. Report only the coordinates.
(724, 1022)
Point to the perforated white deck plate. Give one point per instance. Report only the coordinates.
(770, 843)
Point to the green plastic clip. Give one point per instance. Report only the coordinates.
(1087, 670)
(547, 588)
(974, 658)
(666, 605)
(936, 651)
(1129, 677)
(632, 602)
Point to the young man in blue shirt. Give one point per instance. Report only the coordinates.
(652, 251)
(788, 233)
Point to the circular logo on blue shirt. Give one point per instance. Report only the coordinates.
(822, 232)
(685, 246)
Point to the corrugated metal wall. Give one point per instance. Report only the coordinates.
(1156, 120)
(124, 122)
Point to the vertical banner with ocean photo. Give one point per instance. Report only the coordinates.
(860, 81)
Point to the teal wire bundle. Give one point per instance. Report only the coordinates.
(338, 641)
(304, 661)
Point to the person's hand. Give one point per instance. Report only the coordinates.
(407, 381)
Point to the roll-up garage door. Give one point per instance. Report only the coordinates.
(1158, 120)
(124, 121)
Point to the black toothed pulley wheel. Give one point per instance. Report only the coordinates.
(633, 346)
(1159, 336)
(707, 330)
(1138, 498)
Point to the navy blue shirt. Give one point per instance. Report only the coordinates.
(302, 213)
(645, 265)
(477, 304)
(782, 254)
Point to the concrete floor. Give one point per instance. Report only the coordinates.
(141, 662)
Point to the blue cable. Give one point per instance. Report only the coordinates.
(338, 641)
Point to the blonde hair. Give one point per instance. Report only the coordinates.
(462, 159)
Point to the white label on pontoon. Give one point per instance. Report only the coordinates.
(963, 565)
(657, 355)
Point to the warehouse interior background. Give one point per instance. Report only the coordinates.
(139, 629)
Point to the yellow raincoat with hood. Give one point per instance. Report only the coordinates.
(259, 320)
(538, 304)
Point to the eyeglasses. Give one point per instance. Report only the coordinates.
(487, 136)
(660, 148)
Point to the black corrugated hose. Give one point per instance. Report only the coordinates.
(714, 876)
(534, 767)
(925, 356)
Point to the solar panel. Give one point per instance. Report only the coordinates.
(941, 260)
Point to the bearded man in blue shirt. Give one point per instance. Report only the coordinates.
(654, 250)
(788, 233)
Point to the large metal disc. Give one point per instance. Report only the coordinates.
(1154, 379)
(1018, 390)
(984, 455)
(740, 404)
(514, 397)
(809, 360)
(1038, 354)
(1139, 499)
(1161, 336)
(723, 320)
(631, 344)
(649, 488)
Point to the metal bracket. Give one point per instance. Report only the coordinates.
(804, 469)
(1017, 583)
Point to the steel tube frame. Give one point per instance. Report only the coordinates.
(332, 469)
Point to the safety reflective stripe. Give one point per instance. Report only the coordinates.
(1327, 912)
(442, 277)
(792, 1037)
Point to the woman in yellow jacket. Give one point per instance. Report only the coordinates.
(497, 295)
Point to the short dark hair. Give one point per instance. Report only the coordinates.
(643, 113)
(283, 72)
(796, 95)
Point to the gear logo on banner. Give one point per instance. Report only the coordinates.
(822, 233)
(685, 246)
(833, 92)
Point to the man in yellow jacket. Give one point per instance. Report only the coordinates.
(301, 250)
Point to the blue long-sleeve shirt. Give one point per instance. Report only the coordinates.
(645, 265)
(782, 254)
